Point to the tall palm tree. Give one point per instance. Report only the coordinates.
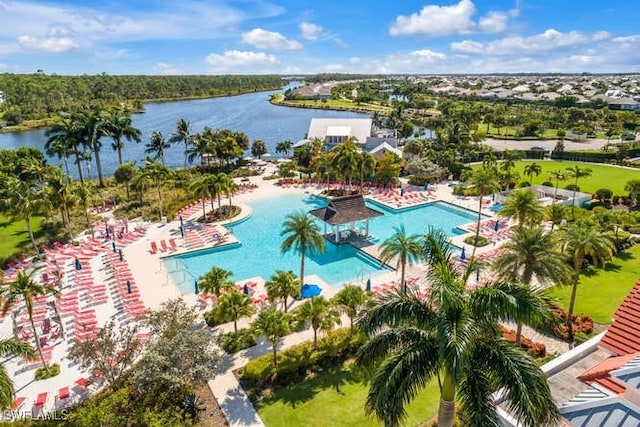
(531, 169)
(273, 324)
(453, 335)
(523, 206)
(157, 173)
(92, 128)
(157, 146)
(234, 306)
(531, 252)
(320, 314)
(558, 175)
(201, 146)
(119, 128)
(283, 284)
(26, 289)
(406, 250)
(346, 157)
(367, 166)
(22, 199)
(482, 182)
(349, 300)
(224, 185)
(59, 192)
(9, 348)
(86, 195)
(200, 189)
(577, 241)
(284, 147)
(216, 281)
(182, 134)
(61, 147)
(576, 172)
(64, 138)
(302, 234)
(633, 187)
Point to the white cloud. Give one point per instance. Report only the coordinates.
(435, 20)
(49, 44)
(263, 39)
(493, 22)
(340, 42)
(168, 69)
(333, 68)
(242, 62)
(355, 60)
(310, 31)
(426, 55)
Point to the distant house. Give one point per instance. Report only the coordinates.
(628, 104)
(336, 131)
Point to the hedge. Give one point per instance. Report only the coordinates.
(535, 349)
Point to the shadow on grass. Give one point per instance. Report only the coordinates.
(333, 378)
(611, 266)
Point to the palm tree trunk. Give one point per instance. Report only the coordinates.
(96, 152)
(235, 326)
(302, 267)
(35, 335)
(572, 303)
(518, 334)
(447, 409)
(159, 198)
(315, 338)
(275, 354)
(79, 165)
(119, 153)
(473, 251)
(126, 189)
(66, 165)
(86, 216)
(27, 221)
(204, 211)
(186, 149)
(402, 270)
(284, 303)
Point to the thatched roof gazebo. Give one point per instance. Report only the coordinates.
(346, 210)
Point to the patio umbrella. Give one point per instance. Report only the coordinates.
(401, 192)
(181, 222)
(310, 290)
(78, 265)
(367, 287)
(463, 254)
(181, 231)
(426, 186)
(128, 287)
(477, 274)
(113, 245)
(120, 254)
(245, 289)
(197, 290)
(300, 175)
(496, 226)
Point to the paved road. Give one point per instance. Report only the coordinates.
(501, 144)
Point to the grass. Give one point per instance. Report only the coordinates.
(600, 292)
(336, 103)
(14, 236)
(338, 395)
(602, 176)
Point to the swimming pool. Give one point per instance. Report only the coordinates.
(258, 254)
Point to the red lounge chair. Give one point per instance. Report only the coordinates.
(42, 399)
(163, 246)
(154, 248)
(17, 404)
(172, 243)
(63, 393)
(81, 382)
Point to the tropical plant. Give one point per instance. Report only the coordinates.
(124, 174)
(633, 187)
(199, 188)
(26, 289)
(258, 148)
(284, 147)
(92, 127)
(86, 194)
(283, 284)
(182, 134)
(216, 281)
(345, 157)
(405, 249)
(531, 252)
(320, 314)
(577, 241)
(366, 165)
(234, 306)
(531, 169)
(558, 176)
(63, 139)
(454, 336)
(523, 206)
(157, 146)
(273, 324)
(302, 234)
(483, 181)
(576, 172)
(22, 199)
(9, 348)
(349, 300)
(156, 173)
(119, 128)
(59, 194)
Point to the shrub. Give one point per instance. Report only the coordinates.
(634, 229)
(548, 184)
(572, 187)
(232, 343)
(524, 184)
(213, 317)
(535, 349)
(471, 240)
(53, 371)
(604, 194)
(615, 199)
(582, 323)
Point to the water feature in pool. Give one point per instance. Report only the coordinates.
(258, 254)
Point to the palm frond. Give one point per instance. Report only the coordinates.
(394, 309)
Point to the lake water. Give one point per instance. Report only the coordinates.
(249, 113)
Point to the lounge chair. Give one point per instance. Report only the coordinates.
(163, 246)
(42, 399)
(154, 248)
(172, 243)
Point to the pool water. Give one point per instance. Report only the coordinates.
(258, 253)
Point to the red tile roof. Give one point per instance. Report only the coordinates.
(623, 336)
(599, 374)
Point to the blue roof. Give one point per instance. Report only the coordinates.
(606, 412)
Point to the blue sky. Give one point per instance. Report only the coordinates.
(297, 36)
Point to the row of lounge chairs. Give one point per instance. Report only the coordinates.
(164, 247)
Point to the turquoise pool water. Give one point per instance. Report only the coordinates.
(258, 254)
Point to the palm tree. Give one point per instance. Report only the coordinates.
(216, 281)
(454, 336)
(60, 194)
(482, 182)
(201, 146)
(302, 234)
(283, 284)
(576, 172)
(200, 189)
(258, 149)
(284, 147)
(64, 138)
(22, 199)
(350, 300)
(10, 348)
(532, 169)
(157, 173)
(119, 128)
(224, 185)
(273, 324)
(367, 166)
(523, 206)
(320, 314)
(124, 174)
(558, 175)
(406, 250)
(157, 145)
(235, 305)
(26, 289)
(579, 240)
(86, 194)
(633, 187)
(346, 157)
(61, 147)
(531, 252)
(182, 134)
(92, 127)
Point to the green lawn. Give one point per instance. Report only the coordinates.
(602, 176)
(336, 398)
(600, 292)
(14, 236)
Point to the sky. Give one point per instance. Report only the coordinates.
(294, 37)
